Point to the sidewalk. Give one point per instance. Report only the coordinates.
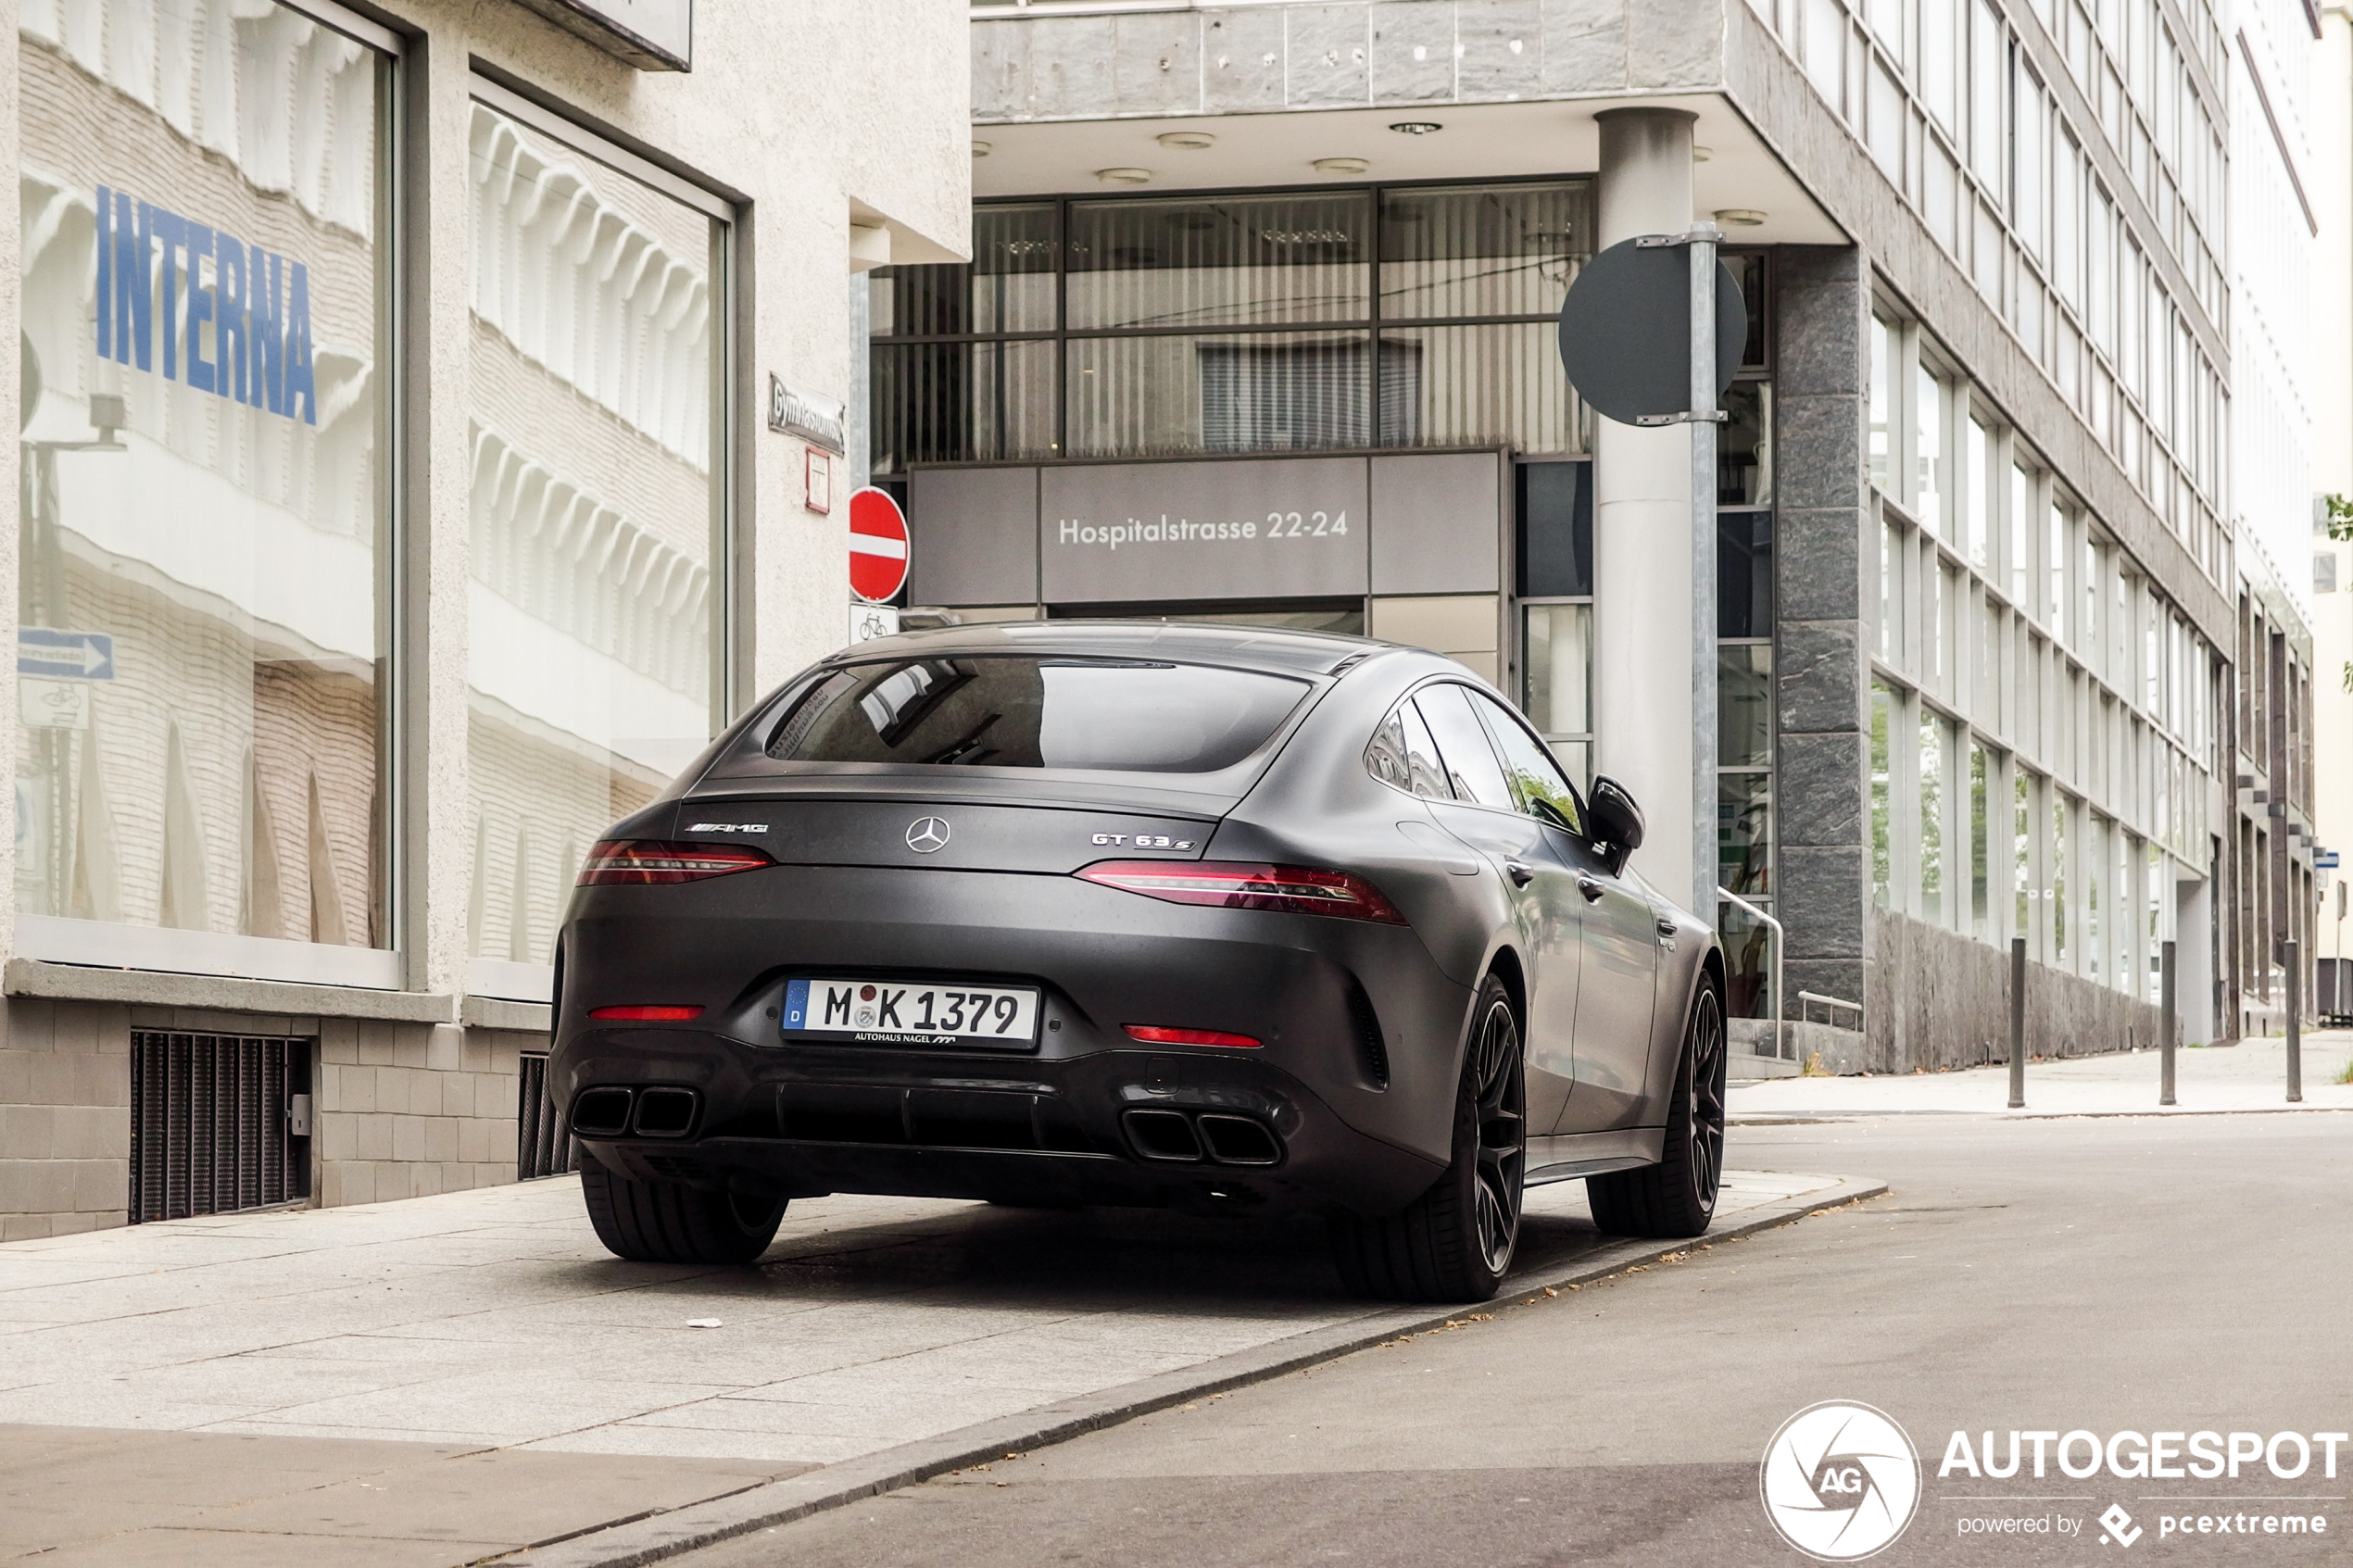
(428, 1383)
(2251, 1076)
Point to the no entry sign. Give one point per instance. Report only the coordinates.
(877, 545)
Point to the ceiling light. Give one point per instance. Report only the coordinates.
(1124, 176)
(980, 149)
(1341, 165)
(1700, 154)
(1738, 216)
(1416, 127)
(1191, 141)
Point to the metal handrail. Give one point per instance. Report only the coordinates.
(1804, 998)
(1725, 894)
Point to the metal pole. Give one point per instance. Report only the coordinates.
(2165, 1025)
(1701, 253)
(2295, 1026)
(2017, 1023)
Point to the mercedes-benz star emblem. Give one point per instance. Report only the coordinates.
(927, 835)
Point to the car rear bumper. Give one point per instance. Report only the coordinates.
(1346, 1105)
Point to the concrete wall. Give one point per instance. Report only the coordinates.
(1939, 999)
(65, 1118)
(405, 1109)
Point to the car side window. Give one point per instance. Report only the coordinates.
(1463, 746)
(1536, 779)
(1401, 753)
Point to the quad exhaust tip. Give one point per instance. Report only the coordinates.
(1176, 1137)
(612, 1112)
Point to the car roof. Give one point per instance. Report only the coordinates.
(1274, 649)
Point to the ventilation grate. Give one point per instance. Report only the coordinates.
(1372, 1051)
(543, 1144)
(218, 1122)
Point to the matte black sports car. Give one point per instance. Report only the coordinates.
(1143, 914)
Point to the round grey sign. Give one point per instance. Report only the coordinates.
(1626, 330)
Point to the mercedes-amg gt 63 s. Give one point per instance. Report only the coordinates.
(1071, 913)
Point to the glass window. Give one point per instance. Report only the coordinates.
(2056, 892)
(1497, 384)
(1012, 710)
(1470, 760)
(1883, 786)
(1557, 668)
(1981, 498)
(1555, 520)
(1008, 287)
(1932, 794)
(1744, 705)
(2021, 540)
(1744, 574)
(2055, 602)
(961, 402)
(1981, 847)
(1928, 449)
(594, 443)
(1536, 779)
(203, 511)
(1884, 391)
(1891, 593)
(1743, 823)
(1259, 392)
(1745, 447)
(2023, 851)
(1203, 262)
(1481, 250)
(1402, 754)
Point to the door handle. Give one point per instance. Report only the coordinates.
(1522, 874)
(1668, 929)
(1592, 889)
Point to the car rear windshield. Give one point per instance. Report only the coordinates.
(1032, 711)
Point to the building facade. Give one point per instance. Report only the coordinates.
(399, 506)
(1998, 655)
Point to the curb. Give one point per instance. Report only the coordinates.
(1773, 1119)
(651, 1539)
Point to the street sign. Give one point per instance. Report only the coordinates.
(66, 656)
(2325, 859)
(877, 545)
(1626, 330)
(869, 622)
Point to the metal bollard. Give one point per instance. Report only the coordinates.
(2295, 1026)
(2017, 1023)
(2165, 1040)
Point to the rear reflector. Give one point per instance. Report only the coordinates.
(642, 861)
(1153, 1035)
(1237, 885)
(659, 1013)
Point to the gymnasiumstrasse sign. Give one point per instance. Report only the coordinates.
(178, 298)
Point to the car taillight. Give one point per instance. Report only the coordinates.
(641, 860)
(1153, 1035)
(1234, 884)
(658, 1013)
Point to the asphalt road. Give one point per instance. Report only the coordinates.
(2111, 1275)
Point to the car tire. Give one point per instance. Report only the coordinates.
(1677, 1197)
(669, 1223)
(1454, 1242)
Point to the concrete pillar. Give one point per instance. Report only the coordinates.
(1642, 656)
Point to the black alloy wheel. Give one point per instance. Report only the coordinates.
(1677, 1197)
(1454, 1242)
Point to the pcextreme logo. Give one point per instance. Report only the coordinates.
(1839, 1481)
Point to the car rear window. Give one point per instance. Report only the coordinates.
(1014, 710)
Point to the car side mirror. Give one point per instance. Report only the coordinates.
(1616, 822)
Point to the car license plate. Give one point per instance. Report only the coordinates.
(913, 1012)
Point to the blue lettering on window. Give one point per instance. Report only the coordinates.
(246, 335)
